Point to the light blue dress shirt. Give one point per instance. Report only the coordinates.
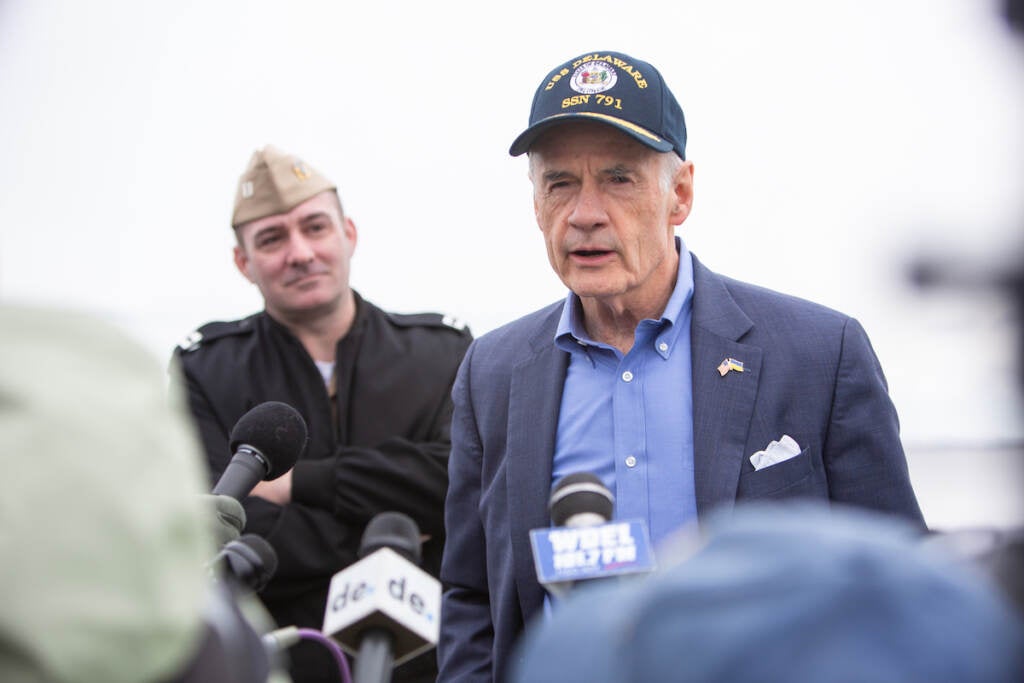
(629, 418)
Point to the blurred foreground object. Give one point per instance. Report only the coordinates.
(788, 594)
(997, 552)
(1013, 12)
(102, 529)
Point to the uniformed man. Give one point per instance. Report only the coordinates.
(373, 387)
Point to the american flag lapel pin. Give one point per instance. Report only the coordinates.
(728, 365)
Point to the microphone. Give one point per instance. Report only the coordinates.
(230, 649)
(249, 559)
(580, 499)
(584, 543)
(384, 610)
(266, 442)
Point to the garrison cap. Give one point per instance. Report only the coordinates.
(275, 182)
(611, 88)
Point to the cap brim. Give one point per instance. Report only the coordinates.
(522, 143)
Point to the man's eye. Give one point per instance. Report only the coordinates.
(267, 241)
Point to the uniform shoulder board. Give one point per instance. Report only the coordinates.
(454, 323)
(428, 320)
(215, 330)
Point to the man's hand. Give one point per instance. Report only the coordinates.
(227, 517)
(278, 491)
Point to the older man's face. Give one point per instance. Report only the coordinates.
(608, 206)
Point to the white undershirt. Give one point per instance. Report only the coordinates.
(326, 368)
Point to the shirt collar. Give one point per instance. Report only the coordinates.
(572, 336)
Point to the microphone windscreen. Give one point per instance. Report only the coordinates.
(250, 560)
(580, 492)
(394, 530)
(263, 550)
(276, 430)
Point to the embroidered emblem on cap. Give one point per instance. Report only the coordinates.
(593, 77)
(247, 189)
(301, 171)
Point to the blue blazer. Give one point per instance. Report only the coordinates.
(808, 371)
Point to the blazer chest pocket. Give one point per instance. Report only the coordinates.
(795, 477)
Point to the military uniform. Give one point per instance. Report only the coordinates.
(381, 442)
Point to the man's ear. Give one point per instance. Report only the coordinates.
(683, 190)
(348, 227)
(242, 262)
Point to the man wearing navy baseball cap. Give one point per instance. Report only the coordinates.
(682, 390)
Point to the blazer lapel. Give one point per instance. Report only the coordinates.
(535, 397)
(722, 404)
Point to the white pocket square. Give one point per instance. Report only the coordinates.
(777, 451)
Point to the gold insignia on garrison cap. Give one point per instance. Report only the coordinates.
(301, 171)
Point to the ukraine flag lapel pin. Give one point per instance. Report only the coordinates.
(728, 365)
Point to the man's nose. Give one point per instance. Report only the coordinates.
(301, 251)
(588, 210)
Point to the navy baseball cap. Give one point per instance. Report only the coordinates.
(612, 88)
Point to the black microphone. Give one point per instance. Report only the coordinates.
(266, 442)
(384, 609)
(584, 544)
(580, 499)
(249, 560)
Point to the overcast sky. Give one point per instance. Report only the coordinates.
(833, 142)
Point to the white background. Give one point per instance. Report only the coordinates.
(834, 142)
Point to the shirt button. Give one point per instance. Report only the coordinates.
(630, 461)
(663, 346)
(627, 376)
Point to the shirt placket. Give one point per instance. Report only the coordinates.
(631, 464)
